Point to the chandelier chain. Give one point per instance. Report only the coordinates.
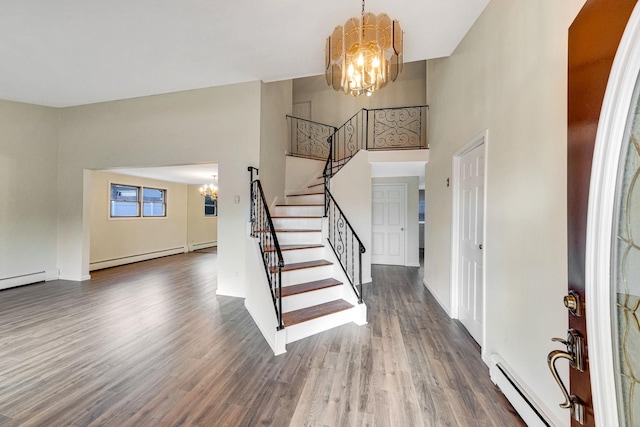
(363, 8)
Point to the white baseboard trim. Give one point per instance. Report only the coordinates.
(81, 278)
(23, 279)
(433, 294)
(203, 245)
(229, 292)
(98, 265)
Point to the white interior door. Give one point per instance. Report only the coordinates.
(388, 223)
(470, 240)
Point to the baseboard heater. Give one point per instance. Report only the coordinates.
(516, 393)
(24, 279)
(97, 265)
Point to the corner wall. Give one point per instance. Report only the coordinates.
(28, 193)
(509, 75)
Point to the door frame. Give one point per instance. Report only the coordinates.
(405, 189)
(602, 191)
(480, 139)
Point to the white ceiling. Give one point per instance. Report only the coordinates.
(73, 52)
(187, 174)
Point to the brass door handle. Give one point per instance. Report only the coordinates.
(551, 361)
(574, 355)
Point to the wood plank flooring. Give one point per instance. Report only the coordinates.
(150, 344)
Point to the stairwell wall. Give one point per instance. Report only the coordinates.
(275, 104)
(351, 188)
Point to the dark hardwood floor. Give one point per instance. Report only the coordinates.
(150, 344)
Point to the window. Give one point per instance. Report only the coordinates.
(421, 206)
(210, 206)
(124, 201)
(154, 202)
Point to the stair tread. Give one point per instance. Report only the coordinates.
(306, 264)
(291, 230)
(296, 216)
(306, 194)
(315, 285)
(309, 313)
(309, 204)
(301, 265)
(293, 247)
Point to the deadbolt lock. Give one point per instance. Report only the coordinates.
(573, 303)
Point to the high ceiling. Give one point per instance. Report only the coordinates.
(73, 52)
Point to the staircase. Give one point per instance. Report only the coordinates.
(314, 294)
(311, 254)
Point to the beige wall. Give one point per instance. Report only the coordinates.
(116, 241)
(28, 192)
(202, 231)
(334, 108)
(220, 124)
(275, 104)
(509, 75)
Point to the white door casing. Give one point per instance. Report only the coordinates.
(388, 224)
(612, 135)
(468, 295)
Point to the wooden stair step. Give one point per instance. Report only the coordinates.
(302, 265)
(306, 194)
(301, 288)
(316, 185)
(313, 312)
(292, 247)
(312, 204)
(290, 230)
(296, 216)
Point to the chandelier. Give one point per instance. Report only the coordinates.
(364, 55)
(210, 190)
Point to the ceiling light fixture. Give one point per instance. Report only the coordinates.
(210, 190)
(364, 55)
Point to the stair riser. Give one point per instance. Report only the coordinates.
(299, 238)
(301, 255)
(299, 210)
(308, 299)
(311, 199)
(298, 223)
(306, 275)
(324, 323)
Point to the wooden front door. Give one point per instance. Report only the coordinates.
(594, 37)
